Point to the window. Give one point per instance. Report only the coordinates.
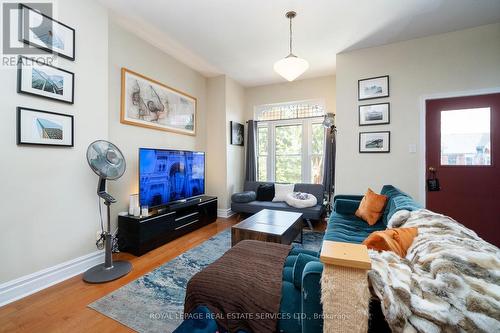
(290, 149)
(465, 137)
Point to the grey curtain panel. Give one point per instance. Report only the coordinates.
(329, 163)
(251, 154)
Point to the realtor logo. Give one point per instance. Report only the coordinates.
(20, 25)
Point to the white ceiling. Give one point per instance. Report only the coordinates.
(243, 38)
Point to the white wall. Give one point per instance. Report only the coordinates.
(216, 140)
(225, 166)
(452, 62)
(317, 88)
(235, 111)
(129, 51)
(48, 200)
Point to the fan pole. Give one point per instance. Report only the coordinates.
(108, 271)
(108, 241)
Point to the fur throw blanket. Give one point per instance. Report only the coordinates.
(449, 280)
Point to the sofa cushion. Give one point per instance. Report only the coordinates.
(256, 206)
(244, 197)
(289, 308)
(371, 207)
(318, 190)
(281, 192)
(346, 206)
(265, 192)
(398, 200)
(349, 228)
(298, 268)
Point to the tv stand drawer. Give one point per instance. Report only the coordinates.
(140, 235)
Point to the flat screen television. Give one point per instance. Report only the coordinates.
(167, 176)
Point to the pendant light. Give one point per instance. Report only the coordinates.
(291, 67)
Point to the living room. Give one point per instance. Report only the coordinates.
(347, 132)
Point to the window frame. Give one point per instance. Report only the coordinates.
(456, 166)
(306, 149)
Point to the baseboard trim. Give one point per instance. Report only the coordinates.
(29, 284)
(225, 213)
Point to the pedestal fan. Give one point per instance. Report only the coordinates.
(107, 161)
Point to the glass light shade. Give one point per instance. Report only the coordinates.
(291, 67)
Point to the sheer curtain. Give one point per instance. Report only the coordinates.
(250, 160)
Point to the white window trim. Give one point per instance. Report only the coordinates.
(306, 153)
(258, 109)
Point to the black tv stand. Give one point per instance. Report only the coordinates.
(138, 235)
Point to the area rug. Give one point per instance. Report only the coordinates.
(154, 302)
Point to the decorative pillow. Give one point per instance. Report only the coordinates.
(244, 197)
(265, 192)
(398, 218)
(281, 191)
(396, 240)
(301, 200)
(371, 207)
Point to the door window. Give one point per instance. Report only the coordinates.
(466, 137)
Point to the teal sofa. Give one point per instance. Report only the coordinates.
(300, 307)
(301, 291)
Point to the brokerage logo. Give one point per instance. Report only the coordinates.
(22, 24)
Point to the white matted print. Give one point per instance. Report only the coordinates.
(45, 33)
(375, 142)
(149, 103)
(375, 87)
(43, 80)
(37, 127)
(374, 114)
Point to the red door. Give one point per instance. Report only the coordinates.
(463, 147)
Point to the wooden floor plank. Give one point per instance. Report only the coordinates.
(63, 307)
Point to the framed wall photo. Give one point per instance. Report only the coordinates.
(375, 87)
(375, 142)
(151, 104)
(374, 114)
(45, 33)
(237, 133)
(44, 80)
(37, 127)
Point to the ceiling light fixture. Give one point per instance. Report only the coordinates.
(291, 67)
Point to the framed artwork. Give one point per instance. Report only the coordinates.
(45, 33)
(44, 80)
(237, 133)
(375, 142)
(37, 127)
(375, 87)
(374, 114)
(149, 103)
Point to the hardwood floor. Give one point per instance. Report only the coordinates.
(63, 307)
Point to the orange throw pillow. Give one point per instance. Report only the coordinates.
(371, 207)
(397, 240)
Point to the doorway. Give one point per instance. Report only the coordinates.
(463, 161)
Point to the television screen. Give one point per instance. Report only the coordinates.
(170, 175)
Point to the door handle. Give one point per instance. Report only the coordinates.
(433, 181)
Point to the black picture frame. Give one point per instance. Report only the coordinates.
(375, 124)
(375, 152)
(237, 127)
(19, 128)
(373, 78)
(33, 93)
(26, 41)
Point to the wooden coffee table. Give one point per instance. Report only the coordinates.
(274, 226)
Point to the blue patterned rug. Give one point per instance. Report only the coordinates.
(155, 301)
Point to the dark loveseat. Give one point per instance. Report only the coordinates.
(310, 213)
